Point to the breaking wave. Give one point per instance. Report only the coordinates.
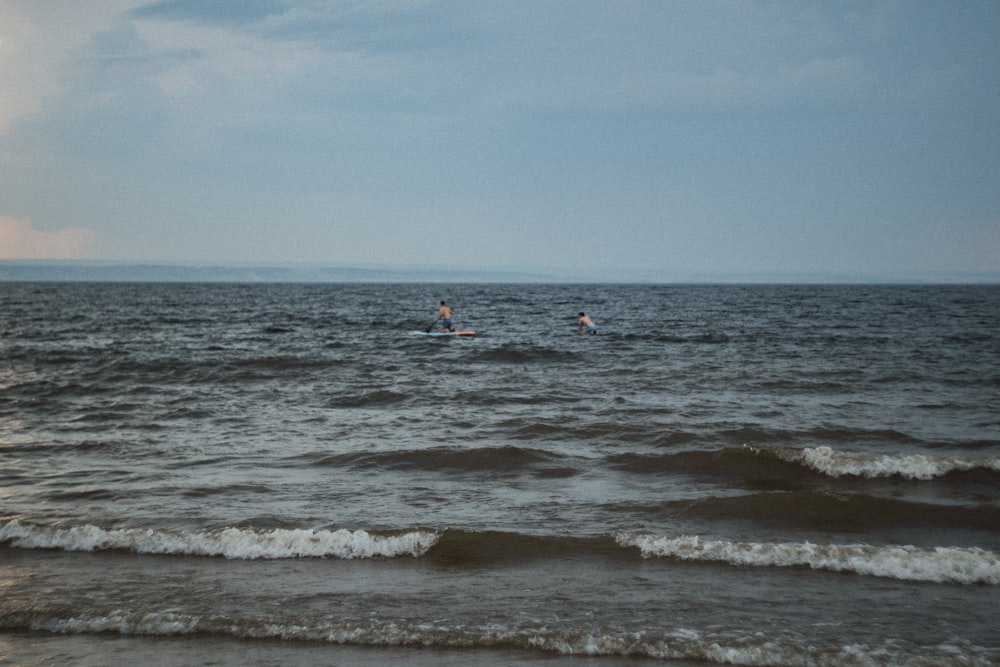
(234, 543)
(940, 564)
(934, 564)
(836, 463)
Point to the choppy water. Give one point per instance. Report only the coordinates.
(780, 475)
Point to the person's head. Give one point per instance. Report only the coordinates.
(581, 314)
(443, 303)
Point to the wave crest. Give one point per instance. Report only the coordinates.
(940, 564)
(234, 543)
(836, 463)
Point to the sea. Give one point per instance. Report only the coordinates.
(284, 474)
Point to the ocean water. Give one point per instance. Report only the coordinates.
(206, 474)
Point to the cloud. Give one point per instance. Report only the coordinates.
(36, 41)
(393, 26)
(19, 241)
(211, 12)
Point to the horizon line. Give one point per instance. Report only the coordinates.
(99, 270)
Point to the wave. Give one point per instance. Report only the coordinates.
(234, 543)
(719, 646)
(846, 512)
(510, 355)
(456, 547)
(370, 399)
(441, 458)
(908, 563)
(862, 464)
(794, 465)
(754, 465)
(105, 376)
(460, 547)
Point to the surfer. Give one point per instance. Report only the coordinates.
(586, 325)
(444, 313)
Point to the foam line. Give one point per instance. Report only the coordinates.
(836, 463)
(940, 564)
(236, 543)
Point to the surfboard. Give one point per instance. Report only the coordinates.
(443, 334)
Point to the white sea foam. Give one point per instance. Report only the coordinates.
(836, 463)
(672, 644)
(151, 623)
(236, 543)
(940, 564)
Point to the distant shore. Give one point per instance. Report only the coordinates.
(207, 272)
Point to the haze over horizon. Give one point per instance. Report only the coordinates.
(689, 141)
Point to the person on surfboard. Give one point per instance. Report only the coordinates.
(586, 325)
(444, 313)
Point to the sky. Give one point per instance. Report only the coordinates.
(612, 139)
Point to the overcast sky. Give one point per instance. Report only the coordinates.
(655, 138)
